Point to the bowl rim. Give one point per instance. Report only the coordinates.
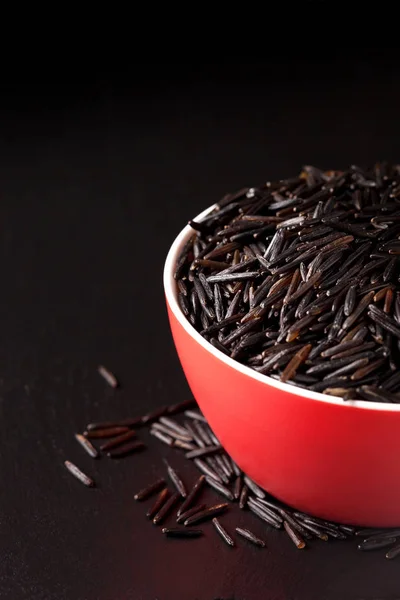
(171, 297)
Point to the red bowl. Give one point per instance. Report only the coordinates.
(337, 460)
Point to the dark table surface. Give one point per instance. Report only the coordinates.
(95, 181)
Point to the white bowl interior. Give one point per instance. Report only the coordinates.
(171, 295)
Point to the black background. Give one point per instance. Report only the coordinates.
(98, 174)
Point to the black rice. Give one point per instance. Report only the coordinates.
(125, 449)
(108, 376)
(294, 536)
(150, 489)
(130, 422)
(106, 433)
(208, 471)
(118, 441)
(376, 544)
(79, 475)
(176, 480)
(182, 516)
(180, 407)
(331, 529)
(173, 433)
(160, 501)
(163, 437)
(154, 415)
(194, 414)
(181, 532)
(288, 260)
(317, 531)
(237, 489)
(220, 488)
(203, 451)
(223, 533)
(166, 509)
(257, 491)
(250, 536)
(172, 424)
(393, 552)
(207, 513)
(244, 494)
(288, 518)
(263, 514)
(183, 445)
(86, 445)
(192, 495)
(266, 509)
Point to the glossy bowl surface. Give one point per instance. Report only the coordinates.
(336, 460)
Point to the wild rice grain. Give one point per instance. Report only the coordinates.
(376, 544)
(244, 494)
(257, 491)
(183, 445)
(107, 376)
(193, 414)
(178, 532)
(393, 552)
(176, 480)
(118, 441)
(180, 407)
(182, 516)
(166, 509)
(174, 426)
(237, 488)
(154, 415)
(387, 533)
(220, 488)
(208, 471)
(192, 495)
(223, 533)
(316, 531)
(79, 475)
(235, 468)
(369, 368)
(106, 433)
(292, 521)
(384, 320)
(350, 300)
(294, 536)
(203, 451)
(251, 537)
(126, 449)
(203, 433)
(263, 514)
(86, 445)
(271, 512)
(160, 501)
(133, 422)
(206, 514)
(149, 490)
(184, 437)
(164, 438)
(295, 362)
